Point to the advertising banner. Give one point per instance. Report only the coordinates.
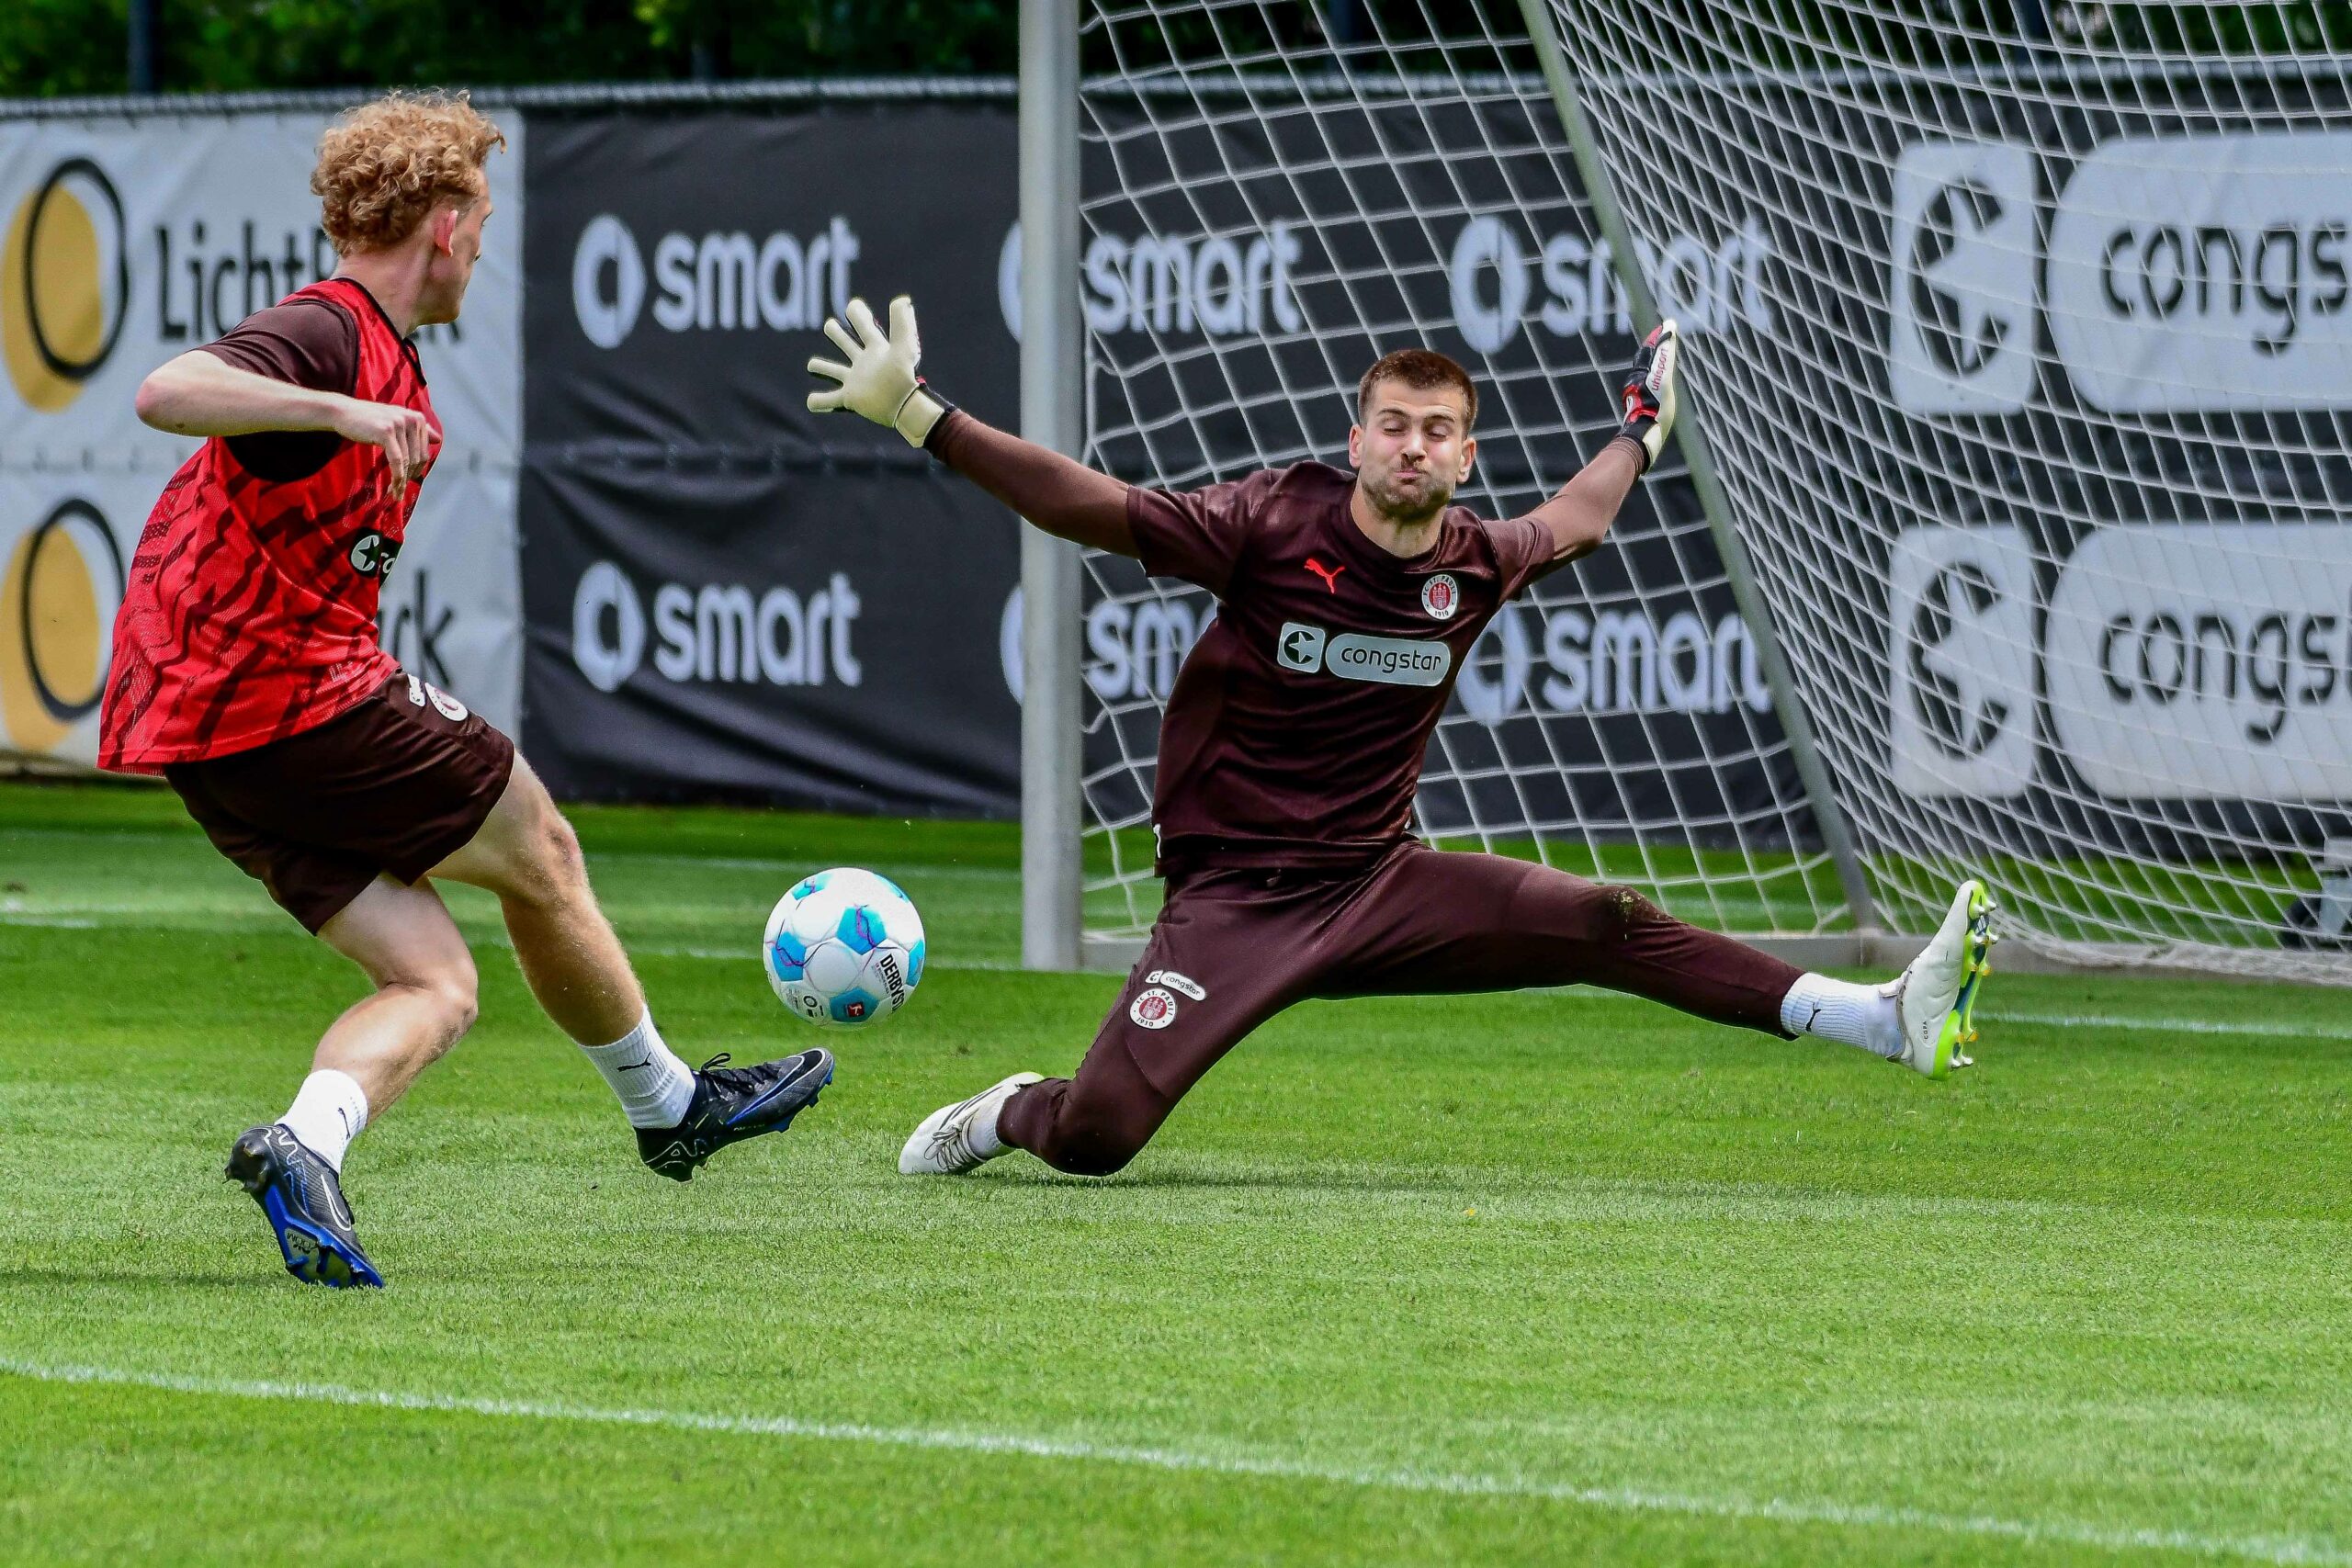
(2206, 273)
(725, 593)
(2170, 632)
(2071, 394)
(123, 244)
(2202, 662)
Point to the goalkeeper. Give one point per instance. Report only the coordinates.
(1292, 743)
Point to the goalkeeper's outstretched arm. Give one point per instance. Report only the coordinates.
(1063, 497)
(1580, 515)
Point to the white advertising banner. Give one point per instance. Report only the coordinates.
(2206, 273)
(2192, 660)
(123, 244)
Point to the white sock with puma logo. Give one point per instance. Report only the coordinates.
(1843, 1011)
(655, 1088)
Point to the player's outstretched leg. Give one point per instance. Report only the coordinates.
(527, 854)
(1924, 1016)
(1552, 928)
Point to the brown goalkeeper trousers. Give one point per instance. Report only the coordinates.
(1234, 947)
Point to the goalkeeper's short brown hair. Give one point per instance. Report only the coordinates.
(384, 165)
(1424, 370)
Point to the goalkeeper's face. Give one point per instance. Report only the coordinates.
(1412, 451)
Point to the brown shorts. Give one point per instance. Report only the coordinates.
(1233, 948)
(396, 784)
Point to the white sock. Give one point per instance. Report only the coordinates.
(327, 1114)
(985, 1140)
(655, 1088)
(1843, 1011)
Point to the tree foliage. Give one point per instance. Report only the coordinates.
(54, 47)
(50, 48)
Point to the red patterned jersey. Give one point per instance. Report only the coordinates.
(249, 612)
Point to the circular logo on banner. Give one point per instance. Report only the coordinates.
(58, 593)
(65, 284)
(1440, 596)
(607, 317)
(1487, 245)
(1008, 641)
(1155, 1009)
(606, 658)
(1492, 683)
(1008, 281)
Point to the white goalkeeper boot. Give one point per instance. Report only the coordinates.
(1934, 998)
(961, 1137)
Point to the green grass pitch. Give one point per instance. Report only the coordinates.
(1543, 1277)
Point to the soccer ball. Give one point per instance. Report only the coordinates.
(844, 948)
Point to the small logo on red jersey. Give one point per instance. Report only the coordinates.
(1440, 596)
(371, 554)
(1155, 1009)
(1329, 574)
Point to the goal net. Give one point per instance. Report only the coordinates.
(2017, 339)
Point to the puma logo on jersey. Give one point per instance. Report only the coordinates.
(1329, 574)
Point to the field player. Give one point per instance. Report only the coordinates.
(248, 672)
(1293, 744)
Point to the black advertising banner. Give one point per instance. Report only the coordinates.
(678, 501)
(726, 596)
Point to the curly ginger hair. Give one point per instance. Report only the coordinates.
(386, 165)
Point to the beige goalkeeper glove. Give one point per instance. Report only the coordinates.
(879, 381)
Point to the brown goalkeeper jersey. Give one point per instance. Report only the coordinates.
(1295, 732)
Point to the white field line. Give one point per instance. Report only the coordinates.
(2285, 1549)
(2174, 1025)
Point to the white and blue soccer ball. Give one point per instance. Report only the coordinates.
(844, 948)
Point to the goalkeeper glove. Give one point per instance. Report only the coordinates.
(879, 381)
(1649, 393)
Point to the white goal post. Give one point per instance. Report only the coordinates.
(2010, 533)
